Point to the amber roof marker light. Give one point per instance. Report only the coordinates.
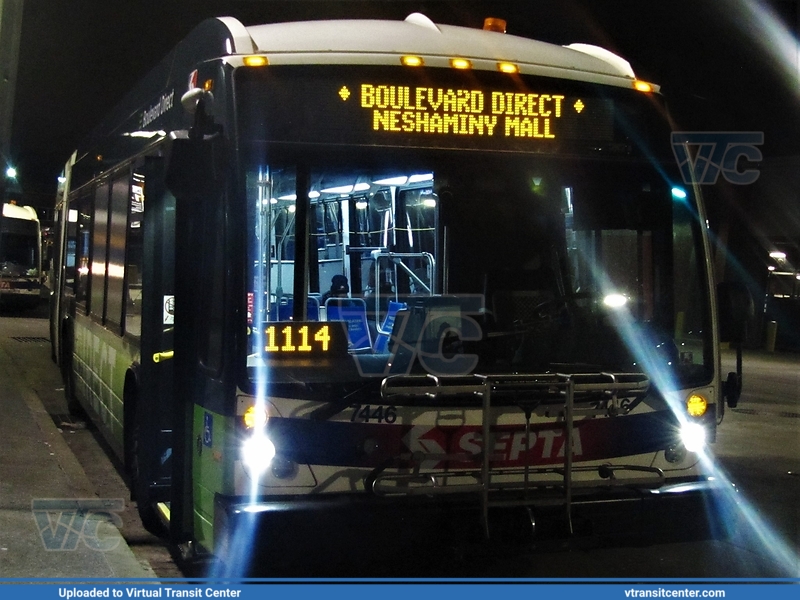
(643, 86)
(412, 61)
(460, 63)
(256, 61)
(507, 67)
(494, 24)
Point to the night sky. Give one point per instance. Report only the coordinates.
(721, 66)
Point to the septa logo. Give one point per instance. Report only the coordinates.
(509, 447)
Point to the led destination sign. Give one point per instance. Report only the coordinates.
(464, 112)
(544, 115)
(309, 351)
(386, 106)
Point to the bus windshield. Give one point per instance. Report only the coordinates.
(560, 265)
(20, 248)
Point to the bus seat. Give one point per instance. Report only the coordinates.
(352, 311)
(312, 308)
(385, 330)
(278, 310)
(283, 310)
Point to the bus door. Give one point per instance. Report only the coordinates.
(155, 403)
(203, 398)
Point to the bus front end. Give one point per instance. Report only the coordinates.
(20, 256)
(526, 316)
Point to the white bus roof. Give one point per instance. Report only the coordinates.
(14, 211)
(333, 42)
(384, 42)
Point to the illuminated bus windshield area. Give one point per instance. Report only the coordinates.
(485, 263)
(19, 249)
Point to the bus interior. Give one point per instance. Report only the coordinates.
(547, 256)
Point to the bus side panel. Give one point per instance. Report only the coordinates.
(101, 360)
(212, 467)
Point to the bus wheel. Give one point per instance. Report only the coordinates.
(148, 513)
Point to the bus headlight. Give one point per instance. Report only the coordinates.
(693, 436)
(257, 453)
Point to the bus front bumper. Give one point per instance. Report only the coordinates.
(690, 509)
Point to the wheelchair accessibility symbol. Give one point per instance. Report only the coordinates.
(208, 430)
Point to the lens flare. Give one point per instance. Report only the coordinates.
(766, 30)
(727, 508)
(238, 550)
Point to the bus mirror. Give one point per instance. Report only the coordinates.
(195, 166)
(736, 309)
(199, 103)
(190, 99)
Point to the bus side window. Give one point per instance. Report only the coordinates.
(72, 246)
(97, 280)
(118, 223)
(83, 250)
(135, 257)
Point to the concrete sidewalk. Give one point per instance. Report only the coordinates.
(52, 522)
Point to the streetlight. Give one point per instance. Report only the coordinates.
(10, 178)
(9, 182)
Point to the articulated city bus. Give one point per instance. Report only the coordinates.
(20, 256)
(522, 314)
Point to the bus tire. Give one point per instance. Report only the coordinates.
(148, 513)
(140, 490)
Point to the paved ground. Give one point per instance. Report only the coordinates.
(55, 524)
